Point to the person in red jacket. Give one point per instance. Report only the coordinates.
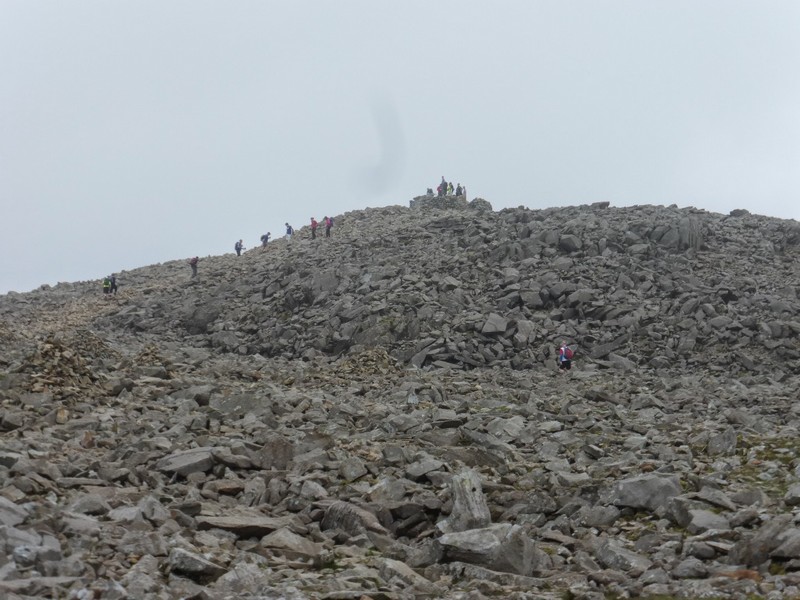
(314, 226)
(564, 357)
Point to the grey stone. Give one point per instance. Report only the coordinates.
(91, 504)
(292, 545)
(612, 555)
(352, 469)
(723, 443)
(194, 565)
(245, 524)
(754, 550)
(691, 567)
(502, 547)
(703, 520)
(350, 518)
(645, 491)
(470, 510)
(185, 462)
(10, 513)
(494, 324)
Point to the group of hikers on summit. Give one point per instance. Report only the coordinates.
(445, 188)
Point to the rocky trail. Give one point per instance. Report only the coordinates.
(379, 415)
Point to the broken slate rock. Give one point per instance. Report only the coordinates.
(185, 462)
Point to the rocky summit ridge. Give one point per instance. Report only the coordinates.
(378, 414)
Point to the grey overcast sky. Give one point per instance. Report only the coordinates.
(136, 132)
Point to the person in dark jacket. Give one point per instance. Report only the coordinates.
(193, 263)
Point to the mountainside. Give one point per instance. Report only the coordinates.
(378, 414)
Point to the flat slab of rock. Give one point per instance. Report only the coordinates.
(10, 513)
(244, 525)
(185, 462)
(294, 546)
(34, 586)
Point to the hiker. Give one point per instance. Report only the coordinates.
(113, 279)
(314, 226)
(193, 264)
(450, 189)
(265, 239)
(328, 224)
(458, 190)
(442, 189)
(289, 232)
(106, 285)
(564, 359)
(238, 246)
(429, 193)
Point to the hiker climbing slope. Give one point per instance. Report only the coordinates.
(193, 263)
(565, 354)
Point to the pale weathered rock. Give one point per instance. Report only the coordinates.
(613, 555)
(703, 520)
(251, 524)
(292, 545)
(645, 491)
(470, 510)
(185, 462)
(723, 443)
(10, 513)
(501, 547)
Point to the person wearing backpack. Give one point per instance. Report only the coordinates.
(113, 279)
(238, 246)
(289, 232)
(565, 355)
(193, 263)
(314, 225)
(106, 285)
(328, 224)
